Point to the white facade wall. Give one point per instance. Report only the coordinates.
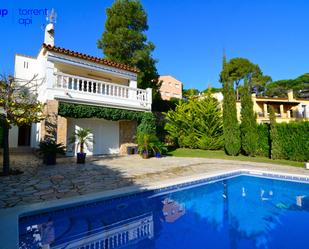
(105, 134)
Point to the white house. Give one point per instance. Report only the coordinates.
(72, 78)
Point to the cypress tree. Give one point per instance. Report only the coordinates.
(248, 126)
(231, 131)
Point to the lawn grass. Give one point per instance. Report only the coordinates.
(219, 154)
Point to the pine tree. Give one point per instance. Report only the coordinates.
(231, 130)
(124, 41)
(248, 126)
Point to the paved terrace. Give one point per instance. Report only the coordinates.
(41, 183)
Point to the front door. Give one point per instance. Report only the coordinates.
(24, 134)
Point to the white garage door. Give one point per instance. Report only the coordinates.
(105, 135)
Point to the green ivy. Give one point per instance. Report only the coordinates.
(86, 111)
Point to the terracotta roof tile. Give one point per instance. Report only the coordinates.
(89, 58)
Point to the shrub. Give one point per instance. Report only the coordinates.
(291, 141)
(147, 124)
(196, 123)
(263, 140)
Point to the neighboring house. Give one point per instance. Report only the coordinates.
(170, 88)
(76, 78)
(286, 109)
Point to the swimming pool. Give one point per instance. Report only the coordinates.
(238, 211)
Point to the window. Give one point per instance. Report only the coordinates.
(26, 64)
(169, 83)
(177, 85)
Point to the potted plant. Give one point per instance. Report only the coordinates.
(49, 150)
(160, 149)
(148, 144)
(83, 138)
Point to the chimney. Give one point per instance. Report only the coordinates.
(290, 95)
(49, 37)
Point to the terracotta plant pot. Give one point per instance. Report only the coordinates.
(145, 155)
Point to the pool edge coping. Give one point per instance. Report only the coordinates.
(10, 216)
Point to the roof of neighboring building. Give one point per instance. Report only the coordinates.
(90, 58)
(169, 76)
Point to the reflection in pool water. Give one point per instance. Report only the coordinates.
(242, 212)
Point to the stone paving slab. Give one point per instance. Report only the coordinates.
(41, 183)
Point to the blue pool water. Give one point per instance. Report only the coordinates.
(240, 212)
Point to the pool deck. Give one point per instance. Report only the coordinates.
(41, 183)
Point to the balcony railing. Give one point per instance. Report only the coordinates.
(97, 87)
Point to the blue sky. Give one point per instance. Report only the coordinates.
(189, 35)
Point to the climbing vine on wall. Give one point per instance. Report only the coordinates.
(69, 110)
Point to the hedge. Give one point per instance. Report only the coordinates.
(293, 140)
(264, 140)
(288, 141)
(86, 111)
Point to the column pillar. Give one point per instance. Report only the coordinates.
(265, 110)
(54, 126)
(49, 124)
(281, 110)
(62, 126)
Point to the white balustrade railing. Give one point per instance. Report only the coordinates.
(97, 87)
(115, 237)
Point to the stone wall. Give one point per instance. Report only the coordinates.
(54, 126)
(127, 133)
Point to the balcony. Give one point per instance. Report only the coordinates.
(80, 89)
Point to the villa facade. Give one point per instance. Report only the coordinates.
(66, 76)
(286, 109)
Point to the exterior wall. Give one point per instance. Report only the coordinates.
(127, 133)
(13, 137)
(170, 87)
(105, 134)
(25, 67)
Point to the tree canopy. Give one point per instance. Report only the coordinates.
(279, 88)
(187, 93)
(238, 70)
(20, 106)
(124, 41)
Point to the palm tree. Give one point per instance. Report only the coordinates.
(83, 138)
